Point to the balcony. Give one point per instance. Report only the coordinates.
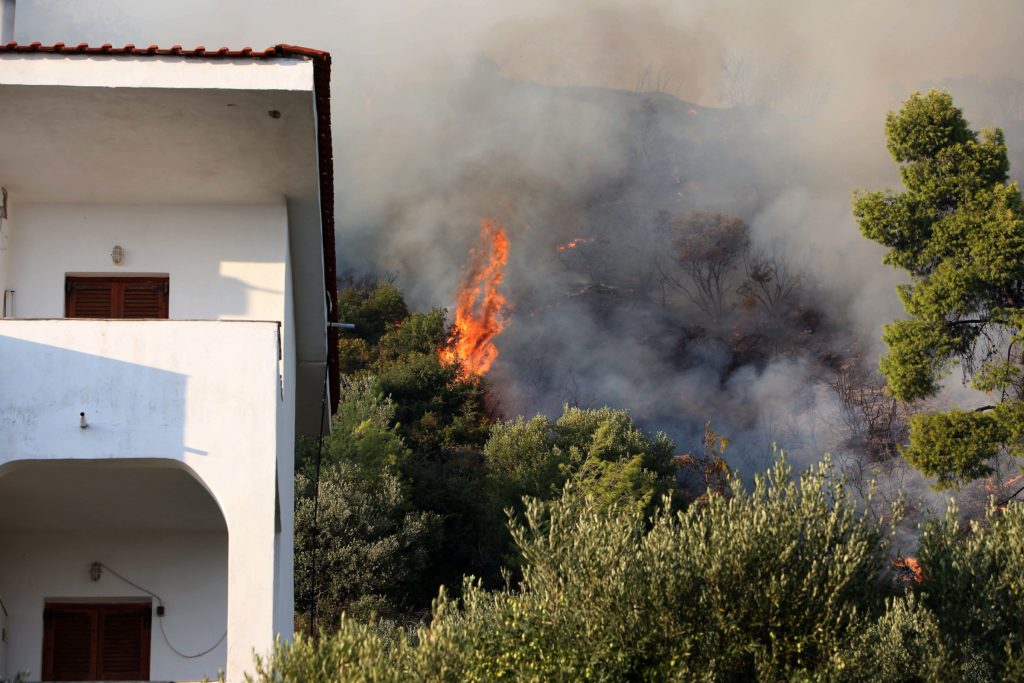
(183, 390)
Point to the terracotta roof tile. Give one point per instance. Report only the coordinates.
(322, 94)
(130, 49)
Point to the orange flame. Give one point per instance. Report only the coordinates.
(480, 308)
(573, 243)
(992, 486)
(911, 568)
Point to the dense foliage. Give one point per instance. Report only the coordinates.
(787, 581)
(417, 473)
(451, 545)
(958, 232)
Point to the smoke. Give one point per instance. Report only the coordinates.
(607, 120)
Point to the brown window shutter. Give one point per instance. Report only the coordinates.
(116, 297)
(89, 298)
(69, 644)
(124, 644)
(87, 642)
(145, 300)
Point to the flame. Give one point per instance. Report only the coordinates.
(991, 486)
(573, 243)
(912, 569)
(480, 308)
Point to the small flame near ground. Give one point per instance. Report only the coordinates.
(910, 568)
(480, 309)
(573, 243)
(994, 486)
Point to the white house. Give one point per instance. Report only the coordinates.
(167, 269)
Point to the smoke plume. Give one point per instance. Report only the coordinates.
(609, 122)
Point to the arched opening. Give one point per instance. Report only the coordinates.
(91, 551)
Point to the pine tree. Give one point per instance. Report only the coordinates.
(958, 232)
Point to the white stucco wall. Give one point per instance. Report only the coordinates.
(189, 570)
(224, 262)
(284, 581)
(38, 69)
(206, 394)
(197, 173)
(5, 239)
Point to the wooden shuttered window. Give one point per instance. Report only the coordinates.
(116, 297)
(68, 651)
(88, 642)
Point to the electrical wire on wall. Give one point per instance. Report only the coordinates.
(160, 615)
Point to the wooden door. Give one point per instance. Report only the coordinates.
(90, 642)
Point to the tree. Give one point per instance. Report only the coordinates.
(770, 281)
(958, 232)
(370, 547)
(707, 248)
(600, 453)
(372, 550)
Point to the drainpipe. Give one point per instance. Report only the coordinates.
(6, 21)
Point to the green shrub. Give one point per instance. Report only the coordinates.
(768, 584)
(904, 644)
(974, 583)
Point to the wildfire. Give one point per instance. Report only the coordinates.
(911, 569)
(573, 243)
(480, 308)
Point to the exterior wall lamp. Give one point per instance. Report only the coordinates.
(117, 255)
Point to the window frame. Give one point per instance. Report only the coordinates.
(96, 610)
(117, 285)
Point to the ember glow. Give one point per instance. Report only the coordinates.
(573, 243)
(911, 569)
(480, 310)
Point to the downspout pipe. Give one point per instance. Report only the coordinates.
(6, 21)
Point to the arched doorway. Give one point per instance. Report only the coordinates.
(111, 570)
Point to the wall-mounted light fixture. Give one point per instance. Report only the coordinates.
(96, 571)
(82, 422)
(117, 255)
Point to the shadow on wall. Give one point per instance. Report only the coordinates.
(131, 410)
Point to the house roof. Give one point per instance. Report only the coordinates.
(322, 95)
(130, 49)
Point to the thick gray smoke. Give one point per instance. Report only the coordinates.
(611, 121)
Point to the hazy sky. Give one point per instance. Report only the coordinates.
(591, 42)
